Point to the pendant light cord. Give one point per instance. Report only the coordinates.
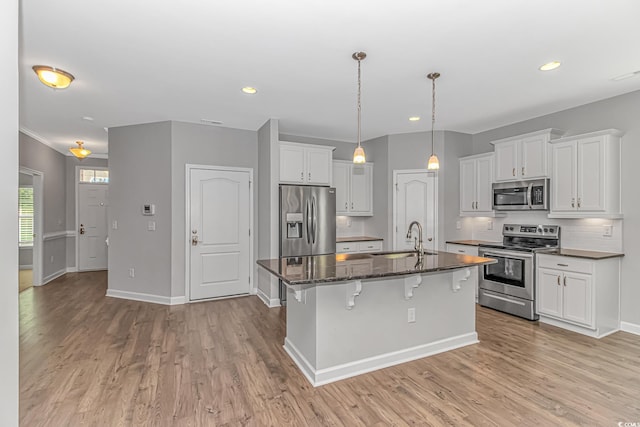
(359, 106)
(433, 112)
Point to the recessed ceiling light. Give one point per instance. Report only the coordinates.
(414, 118)
(87, 118)
(626, 76)
(211, 122)
(250, 90)
(550, 66)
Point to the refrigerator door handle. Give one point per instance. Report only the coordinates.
(308, 221)
(314, 210)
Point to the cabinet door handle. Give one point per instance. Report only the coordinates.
(565, 281)
(472, 204)
(513, 172)
(558, 280)
(573, 203)
(346, 205)
(523, 171)
(301, 176)
(578, 201)
(351, 205)
(309, 176)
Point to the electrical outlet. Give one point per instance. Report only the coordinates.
(51, 259)
(114, 224)
(608, 230)
(458, 225)
(151, 226)
(489, 225)
(132, 272)
(411, 315)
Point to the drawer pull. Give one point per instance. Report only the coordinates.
(563, 265)
(460, 250)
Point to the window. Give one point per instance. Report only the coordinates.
(94, 176)
(25, 216)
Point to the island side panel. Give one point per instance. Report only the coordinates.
(377, 327)
(301, 339)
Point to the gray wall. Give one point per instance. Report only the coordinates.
(8, 216)
(456, 145)
(204, 145)
(140, 172)
(377, 151)
(620, 112)
(37, 156)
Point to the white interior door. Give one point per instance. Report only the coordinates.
(415, 201)
(220, 227)
(92, 226)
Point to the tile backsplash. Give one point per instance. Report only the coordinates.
(347, 226)
(587, 234)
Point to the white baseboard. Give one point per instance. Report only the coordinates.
(328, 375)
(269, 302)
(53, 276)
(72, 269)
(25, 267)
(136, 296)
(630, 327)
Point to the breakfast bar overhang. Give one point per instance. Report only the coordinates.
(351, 314)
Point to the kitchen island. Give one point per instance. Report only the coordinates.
(348, 314)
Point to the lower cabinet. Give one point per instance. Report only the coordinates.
(466, 250)
(358, 247)
(579, 294)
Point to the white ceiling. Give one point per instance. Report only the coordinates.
(139, 61)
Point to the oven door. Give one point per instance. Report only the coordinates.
(511, 275)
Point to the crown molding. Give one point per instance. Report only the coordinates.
(44, 141)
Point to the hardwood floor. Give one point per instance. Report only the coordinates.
(86, 359)
(25, 279)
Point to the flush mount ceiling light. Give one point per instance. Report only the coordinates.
(414, 119)
(434, 163)
(79, 151)
(250, 90)
(358, 154)
(550, 66)
(53, 77)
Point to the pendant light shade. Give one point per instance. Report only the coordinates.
(434, 163)
(80, 152)
(53, 77)
(358, 154)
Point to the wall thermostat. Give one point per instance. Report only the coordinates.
(149, 209)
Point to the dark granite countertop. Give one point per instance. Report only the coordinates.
(312, 270)
(471, 242)
(579, 253)
(357, 239)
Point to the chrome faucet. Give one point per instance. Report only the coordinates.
(417, 245)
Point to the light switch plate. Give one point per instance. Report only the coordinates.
(607, 230)
(151, 226)
(489, 225)
(458, 225)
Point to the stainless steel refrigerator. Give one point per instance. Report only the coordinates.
(307, 222)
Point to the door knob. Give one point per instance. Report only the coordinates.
(81, 228)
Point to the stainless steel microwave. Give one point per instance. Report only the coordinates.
(521, 195)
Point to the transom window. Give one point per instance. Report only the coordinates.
(94, 176)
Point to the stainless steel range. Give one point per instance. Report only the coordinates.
(509, 285)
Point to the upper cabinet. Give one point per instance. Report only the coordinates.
(354, 188)
(523, 156)
(305, 164)
(476, 177)
(585, 176)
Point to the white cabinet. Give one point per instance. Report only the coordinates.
(359, 247)
(578, 294)
(354, 188)
(523, 156)
(476, 177)
(305, 164)
(466, 250)
(585, 176)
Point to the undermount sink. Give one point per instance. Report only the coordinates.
(398, 255)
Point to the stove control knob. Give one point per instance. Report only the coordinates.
(546, 230)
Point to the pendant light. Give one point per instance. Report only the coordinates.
(80, 152)
(358, 154)
(434, 163)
